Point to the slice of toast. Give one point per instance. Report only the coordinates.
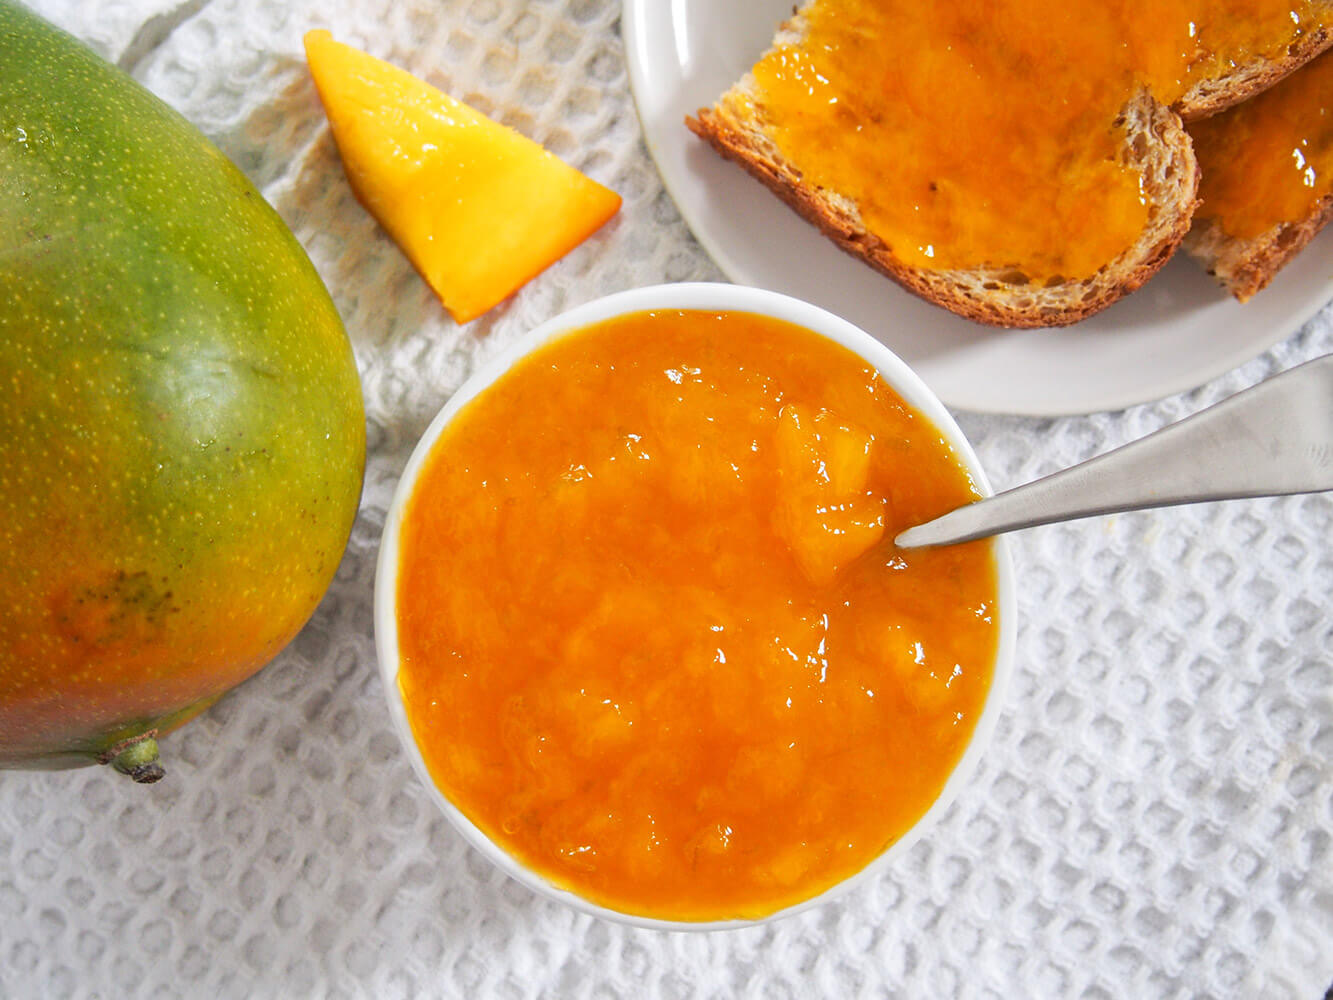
(1244, 80)
(1155, 144)
(1246, 231)
(1247, 266)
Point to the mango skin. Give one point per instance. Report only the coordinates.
(182, 437)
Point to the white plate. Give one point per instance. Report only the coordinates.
(1175, 333)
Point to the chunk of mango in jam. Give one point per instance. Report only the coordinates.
(824, 512)
(651, 641)
(478, 209)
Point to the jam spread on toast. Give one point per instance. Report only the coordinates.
(994, 135)
(1270, 160)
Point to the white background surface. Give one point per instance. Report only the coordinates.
(1155, 818)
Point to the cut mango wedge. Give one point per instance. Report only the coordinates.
(477, 208)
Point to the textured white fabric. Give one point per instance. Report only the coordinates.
(1154, 818)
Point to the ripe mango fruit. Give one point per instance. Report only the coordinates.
(478, 209)
(182, 439)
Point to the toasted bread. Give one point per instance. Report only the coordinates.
(1246, 266)
(1261, 207)
(1156, 142)
(1243, 81)
(1153, 142)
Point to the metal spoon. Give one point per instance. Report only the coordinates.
(1272, 439)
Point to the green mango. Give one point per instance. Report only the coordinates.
(182, 437)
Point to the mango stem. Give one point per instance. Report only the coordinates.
(138, 759)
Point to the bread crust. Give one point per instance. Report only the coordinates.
(1245, 267)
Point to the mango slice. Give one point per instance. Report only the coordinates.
(478, 209)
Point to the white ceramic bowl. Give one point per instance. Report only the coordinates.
(715, 297)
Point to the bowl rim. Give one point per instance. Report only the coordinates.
(704, 296)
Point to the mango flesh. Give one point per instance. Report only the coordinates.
(825, 513)
(478, 209)
(182, 437)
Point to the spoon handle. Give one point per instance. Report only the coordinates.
(1269, 440)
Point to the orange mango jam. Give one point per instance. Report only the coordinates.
(1269, 160)
(654, 641)
(984, 134)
